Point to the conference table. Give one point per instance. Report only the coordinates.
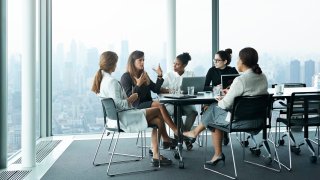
(201, 98)
(208, 98)
(288, 91)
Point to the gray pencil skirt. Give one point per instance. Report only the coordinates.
(214, 114)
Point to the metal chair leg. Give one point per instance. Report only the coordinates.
(129, 172)
(289, 149)
(217, 172)
(95, 155)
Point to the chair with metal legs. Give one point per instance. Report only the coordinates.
(303, 110)
(200, 138)
(142, 137)
(110, 113)
(249, 114)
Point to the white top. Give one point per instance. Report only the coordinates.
(130, 121)
(174, 80)
(247, 84)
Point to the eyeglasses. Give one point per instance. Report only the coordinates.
(217, 60)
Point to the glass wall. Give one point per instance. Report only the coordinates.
(194, 26)
(15, 30)
(81, 31)
(284, 33)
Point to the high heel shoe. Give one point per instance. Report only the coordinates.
(187, 138)
(215, 162)
(172, 143)
(190, 139)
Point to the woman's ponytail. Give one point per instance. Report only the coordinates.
(97, 82)
(256, 69)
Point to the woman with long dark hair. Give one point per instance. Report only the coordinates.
(137, 80)
(105, 86)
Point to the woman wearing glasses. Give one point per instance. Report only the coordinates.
(251, 82)
(221, 61)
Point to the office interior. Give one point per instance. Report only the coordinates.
(50, 52)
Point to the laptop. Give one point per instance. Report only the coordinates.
(196, 82)
(226, 80)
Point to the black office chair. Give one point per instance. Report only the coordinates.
(303, 110)
(110, 113)
(249, 114)
(282, 104)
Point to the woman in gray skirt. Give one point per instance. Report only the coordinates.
(250, 83)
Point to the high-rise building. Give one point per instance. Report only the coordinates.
(309, 70)
(295, 71)
(124, 54)
(14, 70)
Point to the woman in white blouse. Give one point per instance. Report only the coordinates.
(173, 80)
(131, 120)
(250, 83)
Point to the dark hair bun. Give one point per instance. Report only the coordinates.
(228, 50)
(184, 57)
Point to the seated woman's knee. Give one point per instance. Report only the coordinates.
(160, 105)
(157, 111)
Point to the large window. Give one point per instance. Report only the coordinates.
(284, 33)
(81, 31)
(15, 30)
(194, 33)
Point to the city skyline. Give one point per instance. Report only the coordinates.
(82, 116)
(287, 44)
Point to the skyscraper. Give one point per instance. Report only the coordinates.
(123, 58)
(295, 71)
(309, 70)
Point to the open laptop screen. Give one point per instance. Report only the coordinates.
(226, 80)
(197, 82)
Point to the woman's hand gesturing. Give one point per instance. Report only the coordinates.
(142, 79)
(158, 70)
(132, 98)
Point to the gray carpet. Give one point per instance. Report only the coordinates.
(76, 163)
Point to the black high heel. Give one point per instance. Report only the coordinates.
(171, 144)
(215, 162)
(190, 139)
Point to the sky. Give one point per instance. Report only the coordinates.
(278, 26)
(281, 27)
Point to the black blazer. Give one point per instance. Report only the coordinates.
(214, 76)
(144, 92)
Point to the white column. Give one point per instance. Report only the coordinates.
(171, 33)
(28, 69)
(215, 27)
(3, 84)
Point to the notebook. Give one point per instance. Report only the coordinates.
(180, 96)
(226, 80)
(196, 82)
